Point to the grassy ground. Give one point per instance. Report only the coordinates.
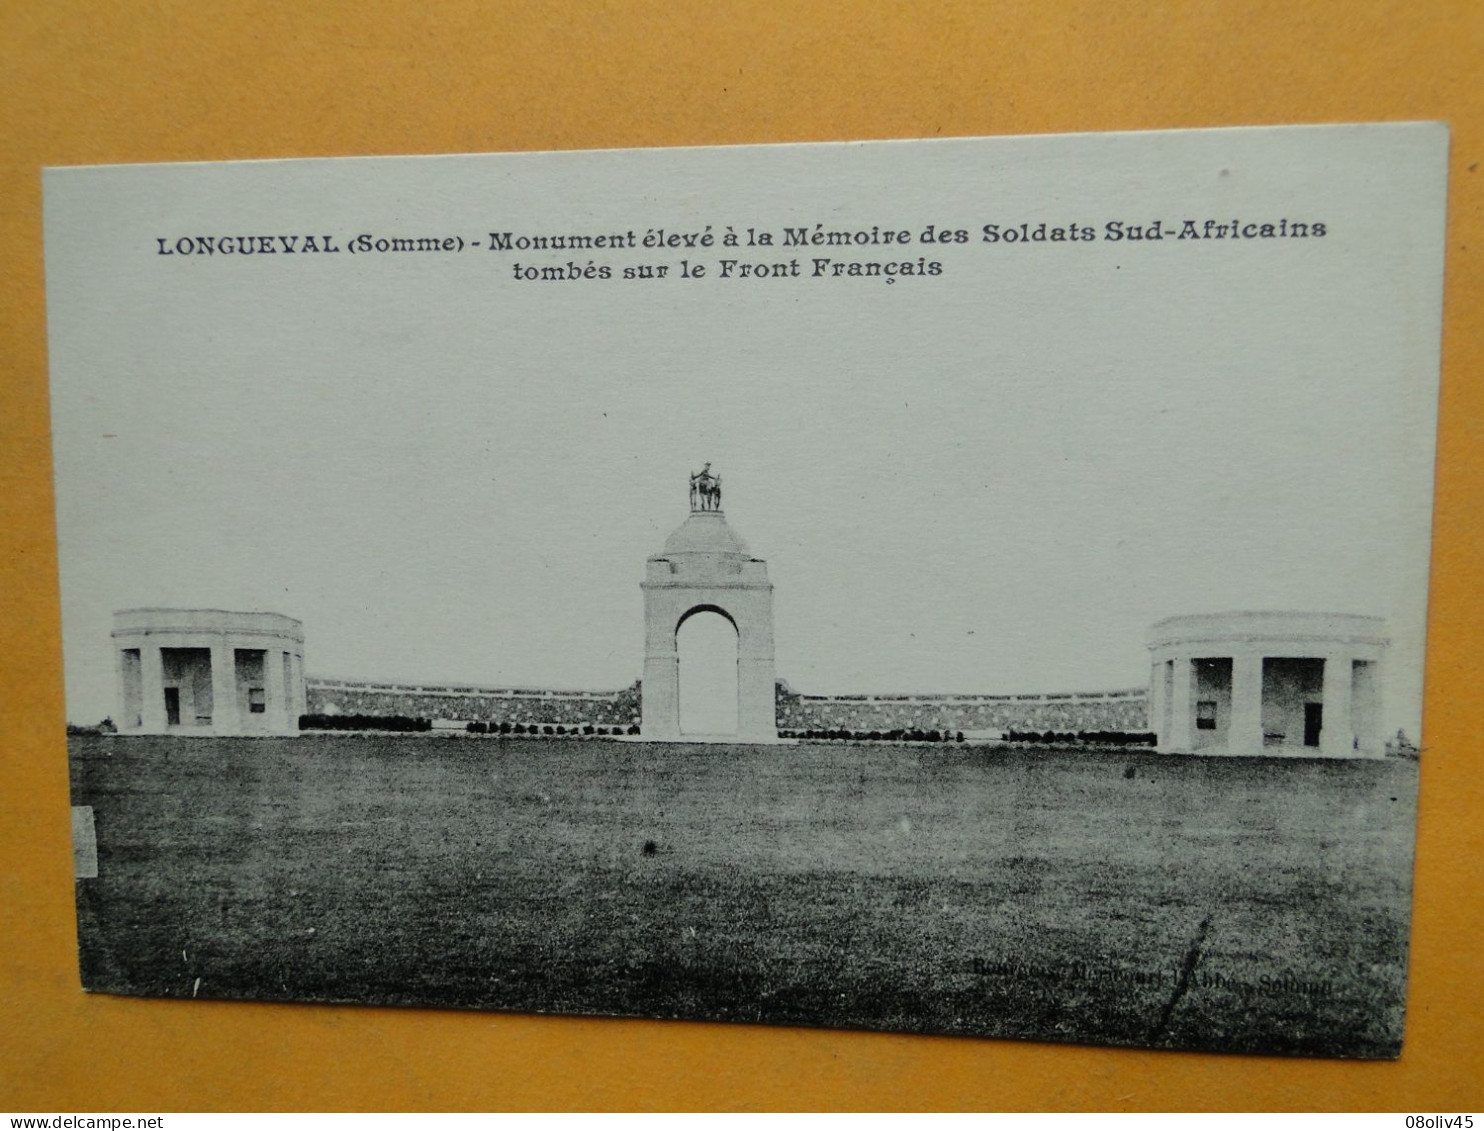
(1243, 905)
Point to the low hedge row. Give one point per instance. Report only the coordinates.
(364, 722)
(875, 735)
(1090, 737)
(552, 730)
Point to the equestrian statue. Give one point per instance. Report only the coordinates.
(705, 490)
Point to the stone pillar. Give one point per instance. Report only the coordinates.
(124, 714)
(1337, 734)
(1155, 705)
(1244, 731)
(1365, 710)
(757, 700)
(275, 692)
(1181, 725)
(660, 703)
(757, 687)
(297, 692)
(151, 689)
(224, 714)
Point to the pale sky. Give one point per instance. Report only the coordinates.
(993, 480)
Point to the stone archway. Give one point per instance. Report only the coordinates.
(705, 567)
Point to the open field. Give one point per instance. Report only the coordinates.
(1241, 905)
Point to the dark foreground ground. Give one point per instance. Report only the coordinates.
(1130, 898)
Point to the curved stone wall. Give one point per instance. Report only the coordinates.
(1062, 712)
(466, 703)
(1073, 711)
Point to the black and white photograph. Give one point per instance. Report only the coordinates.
(964, 586)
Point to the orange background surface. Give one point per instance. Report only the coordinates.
(177, 80)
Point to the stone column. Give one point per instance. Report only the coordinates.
(1155, 705)
(757, 689)
(757, 700)
(123, 717)
(275, 692)
(1181, 724)
(659, 695)
(660, 704)
(1244, 731)
(224, 714)
(151, 689)
(1365, 710)
(297, 692)
(1337, 735)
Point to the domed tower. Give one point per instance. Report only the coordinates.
(706, 567)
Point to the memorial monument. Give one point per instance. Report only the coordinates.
(706, 567)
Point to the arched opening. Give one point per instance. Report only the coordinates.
(706, 644)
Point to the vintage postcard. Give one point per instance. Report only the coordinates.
(968, 586)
